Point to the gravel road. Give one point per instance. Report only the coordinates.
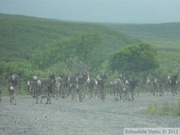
(90, 117)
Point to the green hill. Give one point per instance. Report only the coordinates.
(21, 35)
(36, 45)
(165, 37)
(166, 30)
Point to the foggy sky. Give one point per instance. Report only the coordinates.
(114, 11)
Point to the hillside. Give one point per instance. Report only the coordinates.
(166, 30)
(165, 37)
(20, 35)
(23, 37)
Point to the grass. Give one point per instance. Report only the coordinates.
(165, 110)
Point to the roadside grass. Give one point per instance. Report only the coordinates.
(165, 110)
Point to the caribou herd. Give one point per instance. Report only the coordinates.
(81, 85)
(76, 86)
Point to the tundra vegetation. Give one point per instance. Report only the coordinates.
(32, 46)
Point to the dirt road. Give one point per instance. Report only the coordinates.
(91, 117)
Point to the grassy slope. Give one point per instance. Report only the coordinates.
(166, 37)
(20, 35)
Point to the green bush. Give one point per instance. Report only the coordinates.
(165, 109)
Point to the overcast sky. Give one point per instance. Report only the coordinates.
(115, 11)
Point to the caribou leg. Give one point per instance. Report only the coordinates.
(36, 92)
(20, 92)
(48, 97)
(14, 97)
(0, 94)
(80, 96)
(102, 94)
(10, 97)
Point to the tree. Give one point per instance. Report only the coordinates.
(134, 59)
(81, 45)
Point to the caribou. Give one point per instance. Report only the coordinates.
(65, 86)
(117, 86)
(73, 86)
(15, 81)
(100, 82)
(90, 84)
(58, 86)
(156, 85)
(12, 93)
(44, 86)
(0, 89)
(173, 80)
(126, 89)
(133, 84)
(81, 82)
(31, 87)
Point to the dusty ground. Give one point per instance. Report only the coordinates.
(91, 117)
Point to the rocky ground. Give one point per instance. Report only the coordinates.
(90, 117)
